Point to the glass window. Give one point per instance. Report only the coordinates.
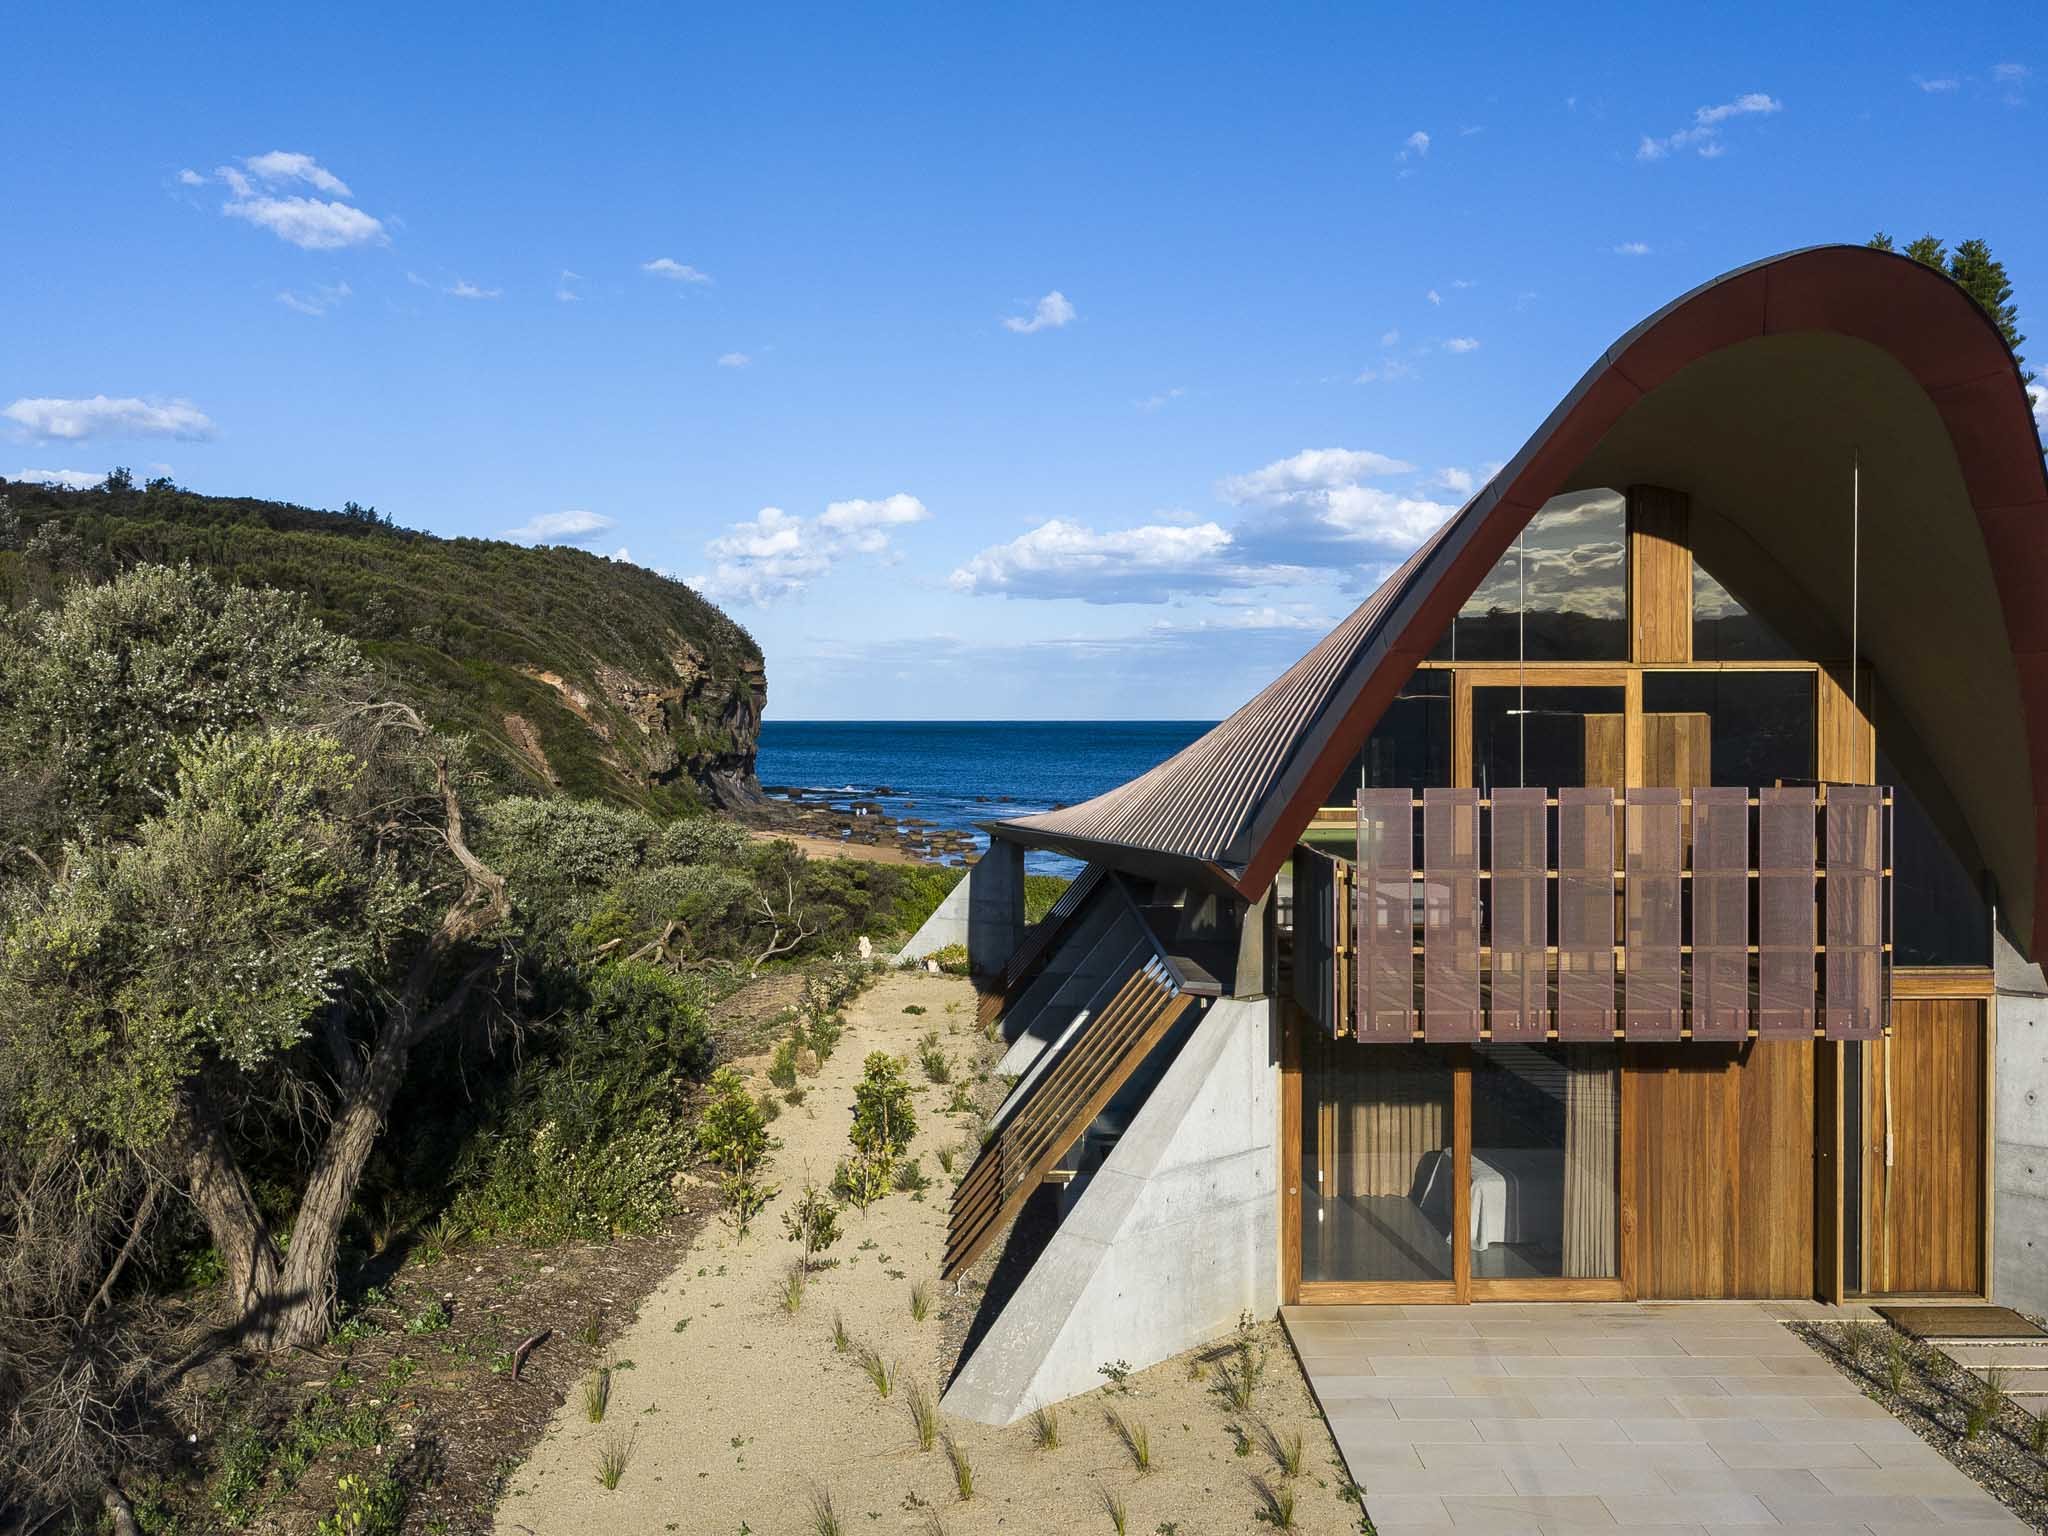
(1560, 594)
(1738, 728)
(1940, 914)
(1546, 1160)
(1545, 738)
(1411, 746)
(1376, 1195)
(1724, 630)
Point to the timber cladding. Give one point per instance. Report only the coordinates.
(1923, 1164)
(1722, 1138)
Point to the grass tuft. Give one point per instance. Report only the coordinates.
(1045, 1428)
(924, 1415)
(824, 1518)
(881, 1372)
(1136, 1437)
(1985, 1404)
(612, 1459)
(963, 1469)
(920, 1301)
(840, 1337)
(1113, 1506)
(793, 1289)
(1276, 1505)
(1898, 1361)
(1285, 1450)
(597, 1394)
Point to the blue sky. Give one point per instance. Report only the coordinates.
(1050, 362)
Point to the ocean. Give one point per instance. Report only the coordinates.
(959, 772)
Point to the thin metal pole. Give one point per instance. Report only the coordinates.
(1855, 572)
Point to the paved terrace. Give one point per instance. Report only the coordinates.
(1671, 1418)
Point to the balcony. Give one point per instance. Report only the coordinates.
(1587, 914)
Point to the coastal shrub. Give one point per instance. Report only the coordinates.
(812, 1224)
(923, 888)
(701, 840)
(1040, 892)
(548, 849)
(883, 1124)
(365, 1506)
(782, 1067)
(730, 1131)
(950, 958)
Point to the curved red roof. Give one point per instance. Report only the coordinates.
(1230, 806)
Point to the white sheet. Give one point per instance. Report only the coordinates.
(1517, 1195)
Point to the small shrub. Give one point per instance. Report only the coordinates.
(884, 1120)
(951, 958)
(1045, 1428)
(597, 1394)
(824, 1518)
(812, 1224)
(365, 1506)
(745, 1197)
(782, 1067)
(770, 1107)
(431, 1318)
(1137, 1439)
(1113, 1506)
(924, 1415)
(860, 1181)
(963, 1469)
(1116, 1375)
(913, 1008)
(612, 1459)
(932, 1057)
(962, 1100)
(730, 1130)
(879, 1371)
(1276, 1505)
(794, 1096)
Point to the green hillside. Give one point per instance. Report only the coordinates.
(573, 673)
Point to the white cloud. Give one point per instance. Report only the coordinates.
(1385, 372)
(70, 479)
(1311, 470)
(317, 300)
(1416, 144)
(464, 289)
(1050, 313)
(571, 527)
(675, 271)
(1462, 344)
(1148, 564)
(1940, 83)
(1703, 136)
(777, 555)
(1434, 297)
(310, 223)
(1165, 396)
(1390, 339)
(1633, 248)
(565, 287)
(2037, 396)
(102, 416)
(733, 360)
(2009, 74)
(1458, 481)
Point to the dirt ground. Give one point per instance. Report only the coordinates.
(842, 848)
(739, 1418)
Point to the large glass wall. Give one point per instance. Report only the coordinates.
(1750, 729)
(1547, 736)
(1940, 912)
(1411, 746)
(1376, 1153)
(1560, 594)
(1724, 630)
(1546, 1160)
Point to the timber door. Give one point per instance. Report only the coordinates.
(1923, 1093)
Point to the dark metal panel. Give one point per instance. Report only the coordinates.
(1519, 914)
(1784, 912)
(1585, 914)
(1450, 914)
(1653, 895)
(1720, 914)
(1385, 906)
(1316, 936)
(1854, 822)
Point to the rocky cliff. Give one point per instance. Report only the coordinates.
(571, 672)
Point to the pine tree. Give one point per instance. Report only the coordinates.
(1973, 268)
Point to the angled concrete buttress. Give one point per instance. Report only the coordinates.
(1172, 1237)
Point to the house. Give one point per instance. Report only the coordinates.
(1636, 897)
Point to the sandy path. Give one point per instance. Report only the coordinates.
(841, 848)
(738, 1411)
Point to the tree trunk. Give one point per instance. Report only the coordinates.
(221, 1194)
(301, 1309)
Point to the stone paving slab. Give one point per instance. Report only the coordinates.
(1544, 1420)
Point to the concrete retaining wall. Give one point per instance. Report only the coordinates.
(1171, 1239)
(2019, 1218)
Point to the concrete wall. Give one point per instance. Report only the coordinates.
(995, 906)
(2019, 1217)
(1176, 1234)
(946, 925)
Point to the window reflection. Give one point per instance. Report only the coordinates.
(1411, 746)
(1743, 728)
(1724, 630)
(1560, 594)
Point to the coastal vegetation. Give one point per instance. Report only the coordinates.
(301, 988)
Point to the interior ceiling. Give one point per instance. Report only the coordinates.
(1763, 435)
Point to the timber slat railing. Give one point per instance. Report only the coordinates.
(1581, 914)
(1105, 1050)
